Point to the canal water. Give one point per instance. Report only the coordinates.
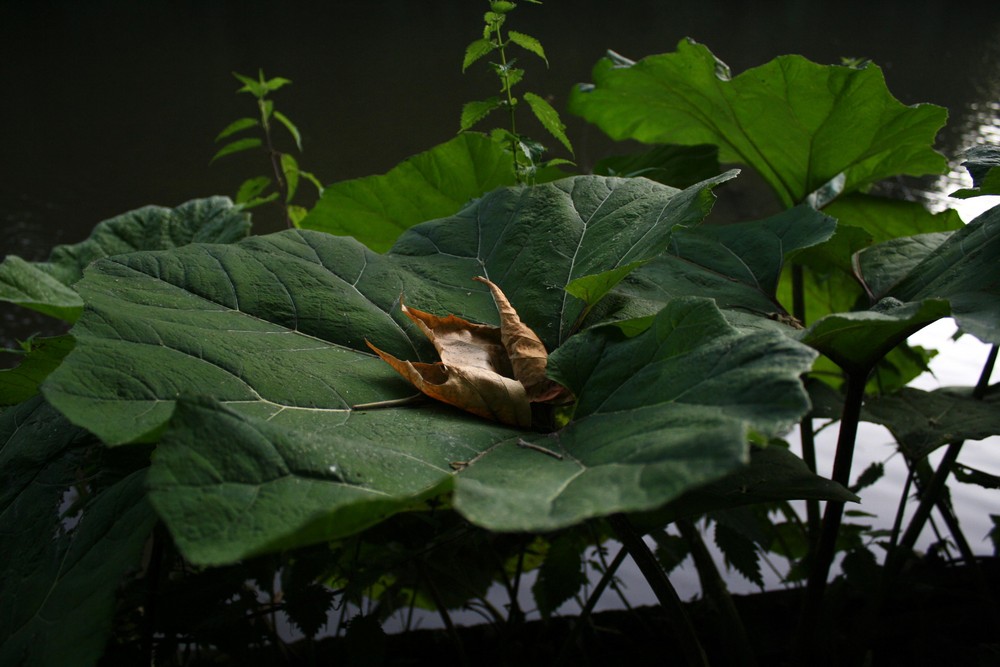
(108, 106)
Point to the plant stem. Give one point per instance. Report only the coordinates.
(807, 435)
(897, 523)
(588, 608)
(737, 647)
(931, 495)
(826, 547)
(684, 631)
(806, 431)
(279, 174)
(445, 616)
(798, 294)
(510, 104)
(154, 572)
(516, 616)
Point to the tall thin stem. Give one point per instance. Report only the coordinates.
(826, 547)
(505, 77)
(279, 173)
(737, 646)
(931, 494)
(588, 608)
(806, 431)
(684, 631)
(445, 616)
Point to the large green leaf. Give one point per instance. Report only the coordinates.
(983, 163)
(657, 414)
(230, 484)
(922, 421)
(830, 285)
(773, 474)
(433, 184)
(678, 166)
(271, 332)
(799, 124)
(58, 584)
(856, 341)
(962, 267)
(269, 321)
(47, 286)
(737, 265)
(42, 357)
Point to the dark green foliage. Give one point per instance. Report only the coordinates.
(561, 574)
(48, 286)
(739, 550)
(224, 387)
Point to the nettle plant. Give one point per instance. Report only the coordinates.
(259, 190)
(223, 431)
(526, 153)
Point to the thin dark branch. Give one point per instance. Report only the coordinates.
(683, 629)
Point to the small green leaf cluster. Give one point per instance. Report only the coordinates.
(287, 174)
(527, 153)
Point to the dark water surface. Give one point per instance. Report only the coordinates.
(108, 106)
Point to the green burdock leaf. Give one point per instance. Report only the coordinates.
(233, 484)
(657, 414)
(862, 220)
(913, 281)
(773, 474)
(272, 331)
(434, 184)
(737, 265)
(962, 267)
(856, 341)
(799, 124)
(271, 322)
(983, 163)
(58, 585)
(19, 384)
(922, 421)
(29, 285)
(47, 286)
(591, 289)
(609, 373)
(884, 219)
(677, 166)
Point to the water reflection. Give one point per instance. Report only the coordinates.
(981, 126)
(975, 123)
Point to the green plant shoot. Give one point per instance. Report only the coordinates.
(253, 192)
(527, 153)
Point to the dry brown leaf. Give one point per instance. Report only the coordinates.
(477, 390)
(526, 351)
(493, 372)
